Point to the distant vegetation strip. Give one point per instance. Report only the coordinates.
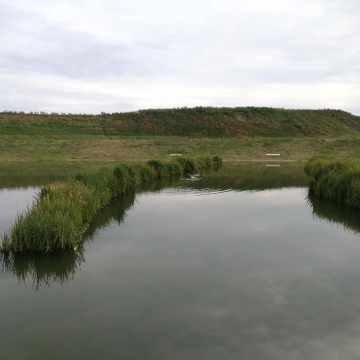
(238, 122)
(337, 180)
(56, 221)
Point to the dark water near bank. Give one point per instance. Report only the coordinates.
(237, 264)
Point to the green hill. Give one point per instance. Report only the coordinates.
(240, 122)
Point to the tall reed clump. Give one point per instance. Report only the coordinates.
(337, 180)
(57, 218)
(191, 166)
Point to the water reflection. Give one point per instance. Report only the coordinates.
(42, 270)
(334, 212)
(249, 177)
(115, 212)
(241, 177)
(237, 275)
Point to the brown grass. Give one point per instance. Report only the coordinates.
(145, 148)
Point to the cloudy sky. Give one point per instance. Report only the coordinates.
(88, 56)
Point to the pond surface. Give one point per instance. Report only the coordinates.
(236, 264)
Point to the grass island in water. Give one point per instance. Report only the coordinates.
(56, 221)
(337, 180)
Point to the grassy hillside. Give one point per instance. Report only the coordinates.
(244, 122)
(235, 133)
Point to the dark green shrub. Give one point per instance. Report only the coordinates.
(217, 160)
(177, 168)
(203, 163)
(125, 177)
(159, 167)
(146, 172)
(187, 164)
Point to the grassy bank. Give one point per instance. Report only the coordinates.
(56, 220)
(143, 148)
(236, 134)
(337, 180)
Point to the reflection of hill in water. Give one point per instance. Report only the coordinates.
(46, 269)
(242, 177)
(254, 177)
(335, 212)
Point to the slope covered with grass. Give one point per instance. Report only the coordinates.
(240, 122)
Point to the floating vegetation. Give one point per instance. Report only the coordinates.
(57, 219)
(337, 180)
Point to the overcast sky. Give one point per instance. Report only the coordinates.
(88, 56)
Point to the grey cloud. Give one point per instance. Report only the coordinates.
(75, 54)
(57, 99)
(205, 45)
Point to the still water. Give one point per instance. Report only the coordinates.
(237, 264)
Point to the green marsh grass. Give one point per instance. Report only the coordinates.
(56, 220)
(337, 180)
(159, 167)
